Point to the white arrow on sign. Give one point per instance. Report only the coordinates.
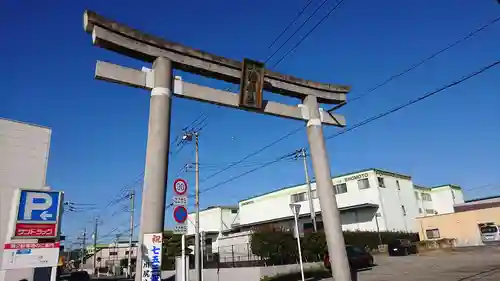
(45, 215)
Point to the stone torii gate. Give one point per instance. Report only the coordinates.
(253, 79)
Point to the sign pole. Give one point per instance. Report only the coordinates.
(53, 273)
(183, 256)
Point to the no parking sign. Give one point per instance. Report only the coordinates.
(180, 213)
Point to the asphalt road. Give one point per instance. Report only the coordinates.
(482, 263)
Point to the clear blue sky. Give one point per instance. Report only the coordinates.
(99, 129)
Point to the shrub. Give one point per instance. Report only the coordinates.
(315, 273)
(278, 247)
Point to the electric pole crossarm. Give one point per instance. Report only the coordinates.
(139, 79)
(122, 39)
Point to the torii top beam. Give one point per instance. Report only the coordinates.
(125, 40)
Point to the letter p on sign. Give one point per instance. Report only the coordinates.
(36, 202)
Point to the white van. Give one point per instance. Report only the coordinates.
(490, 233)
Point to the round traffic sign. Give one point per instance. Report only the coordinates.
(180, 214)
(180, 186)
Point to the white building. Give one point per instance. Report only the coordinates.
(24, 154)
(109, 255)
(214, 221)
(368, 200)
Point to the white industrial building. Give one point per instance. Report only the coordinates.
(369, 200)
(24, 153)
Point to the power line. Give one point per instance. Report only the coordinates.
(397, 108)
(377, 87)
(366, 121)
(300, 127)
(253, 153)
(309, 33)
(371, 90)
(432, 56)
(490, 185)
(288, 155)
(357, 125)
(297, 30)
(291, 23)
(281, 158)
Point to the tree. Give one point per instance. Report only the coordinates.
(314, 246)
(274, 246)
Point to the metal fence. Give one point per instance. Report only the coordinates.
(239, 255)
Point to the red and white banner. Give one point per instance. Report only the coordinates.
(15, 246)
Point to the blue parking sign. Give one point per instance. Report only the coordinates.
(39, 206)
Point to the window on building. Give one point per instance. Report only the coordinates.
(299, 197)
(404, 210)
(113, 253)
(397, 185)
(426, 197)
(419, 210)
(126, 252)
(319, 225)
(429, 211)
(381, 182)
(308, 227)
(208, 246)
(363, 184)
(340, 188)
(234, 211)
(432, 233)
(416, 195)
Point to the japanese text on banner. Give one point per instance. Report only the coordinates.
(151, 265)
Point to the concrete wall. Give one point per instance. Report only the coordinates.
(243, 273)
(462, 226)
(24, 152)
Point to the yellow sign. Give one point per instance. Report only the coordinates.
(61, 261)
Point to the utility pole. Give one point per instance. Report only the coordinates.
(197, 207)
(117, 249)
(253, 78)
(129, 264)
(84, 242)
(95, 244)
(302, 152)
(188, 136)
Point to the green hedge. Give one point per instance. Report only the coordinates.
(278, 247)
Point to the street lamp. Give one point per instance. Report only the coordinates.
(377, 215)
(296, 211)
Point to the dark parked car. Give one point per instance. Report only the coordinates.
(401, 247)
(358, 258)
(75, 276)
